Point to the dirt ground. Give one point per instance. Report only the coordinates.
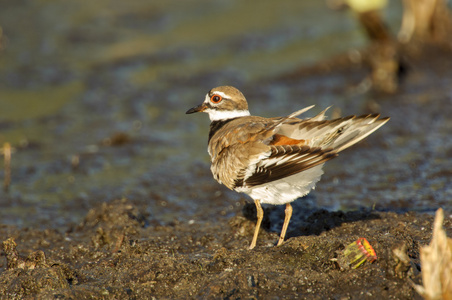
(115, 253)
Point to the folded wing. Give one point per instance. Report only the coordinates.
(282, 161)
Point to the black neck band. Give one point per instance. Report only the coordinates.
(217, 125)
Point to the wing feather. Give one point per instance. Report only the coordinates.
(282, 161)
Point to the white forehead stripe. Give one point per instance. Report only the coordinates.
(223, 95)
(219, 93)
(217, 115)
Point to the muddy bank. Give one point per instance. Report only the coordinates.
(132, 249)
(152, 246)
(98, 115)
(115, 253)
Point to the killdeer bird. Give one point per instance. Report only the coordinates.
(274, 160)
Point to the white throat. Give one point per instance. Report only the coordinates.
(218, 115)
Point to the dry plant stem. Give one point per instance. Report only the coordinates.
(436, 261)
(7, 158)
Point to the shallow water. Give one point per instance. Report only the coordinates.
(92, 98)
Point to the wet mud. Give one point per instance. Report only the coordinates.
(124, 249)
(111, 196)
(115, 253)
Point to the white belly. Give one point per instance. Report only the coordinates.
(287, 189)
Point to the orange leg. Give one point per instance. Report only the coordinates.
(260, 216)
(286, 223)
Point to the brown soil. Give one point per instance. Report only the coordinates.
(117, 252)
(113, 253)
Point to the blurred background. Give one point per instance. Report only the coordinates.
(93, 98)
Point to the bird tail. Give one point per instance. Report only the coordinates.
(352, 130)
(337, 134)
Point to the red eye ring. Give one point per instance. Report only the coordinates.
(216, 98)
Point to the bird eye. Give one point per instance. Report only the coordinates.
(216, 98)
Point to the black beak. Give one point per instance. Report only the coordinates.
(195, 109)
